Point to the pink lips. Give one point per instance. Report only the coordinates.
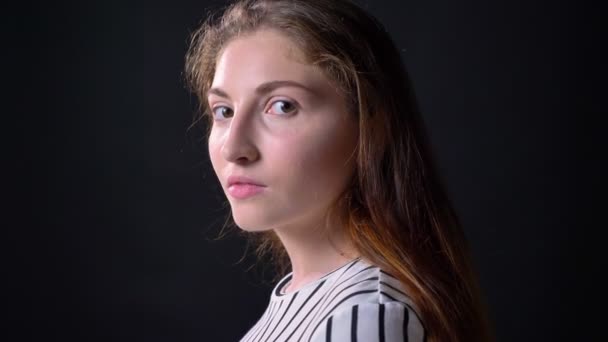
(243, 187)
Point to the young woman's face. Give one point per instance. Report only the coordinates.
(280, 123)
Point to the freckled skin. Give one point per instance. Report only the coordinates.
(305, 158)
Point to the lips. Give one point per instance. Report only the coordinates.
(242, 180)
(241, 187)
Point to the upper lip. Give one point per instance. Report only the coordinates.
(242, 180)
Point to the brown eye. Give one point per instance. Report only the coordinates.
(222, 112)
(282, 107)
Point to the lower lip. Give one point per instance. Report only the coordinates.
(242, 191)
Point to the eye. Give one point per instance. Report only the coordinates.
(282, 107)
(222, 112)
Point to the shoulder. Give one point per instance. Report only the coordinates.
(370, 305)
(365, 283)
(370, 322)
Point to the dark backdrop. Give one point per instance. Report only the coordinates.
(113, 205)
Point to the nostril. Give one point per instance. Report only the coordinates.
(242, 160)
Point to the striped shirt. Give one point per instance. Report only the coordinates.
(358, 302)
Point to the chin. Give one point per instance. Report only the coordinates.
(253, 229)
(252, 222)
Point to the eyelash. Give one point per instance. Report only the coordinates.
(292, 103)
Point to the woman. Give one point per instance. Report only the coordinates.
(317, 141)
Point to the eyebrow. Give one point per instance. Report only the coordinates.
(263, 88)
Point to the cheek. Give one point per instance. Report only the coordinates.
(318, 165)
(214, 147)
(331, 147)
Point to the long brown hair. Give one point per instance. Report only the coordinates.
(397, 212)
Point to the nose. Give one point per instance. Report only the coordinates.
(239, 145)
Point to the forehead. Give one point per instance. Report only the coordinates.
(261, 56)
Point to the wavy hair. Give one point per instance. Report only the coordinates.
(396, 210)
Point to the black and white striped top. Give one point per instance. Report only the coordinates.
(356, 302)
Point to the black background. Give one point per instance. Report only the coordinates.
(112, 206)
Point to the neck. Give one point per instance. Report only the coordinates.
(315, 252)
